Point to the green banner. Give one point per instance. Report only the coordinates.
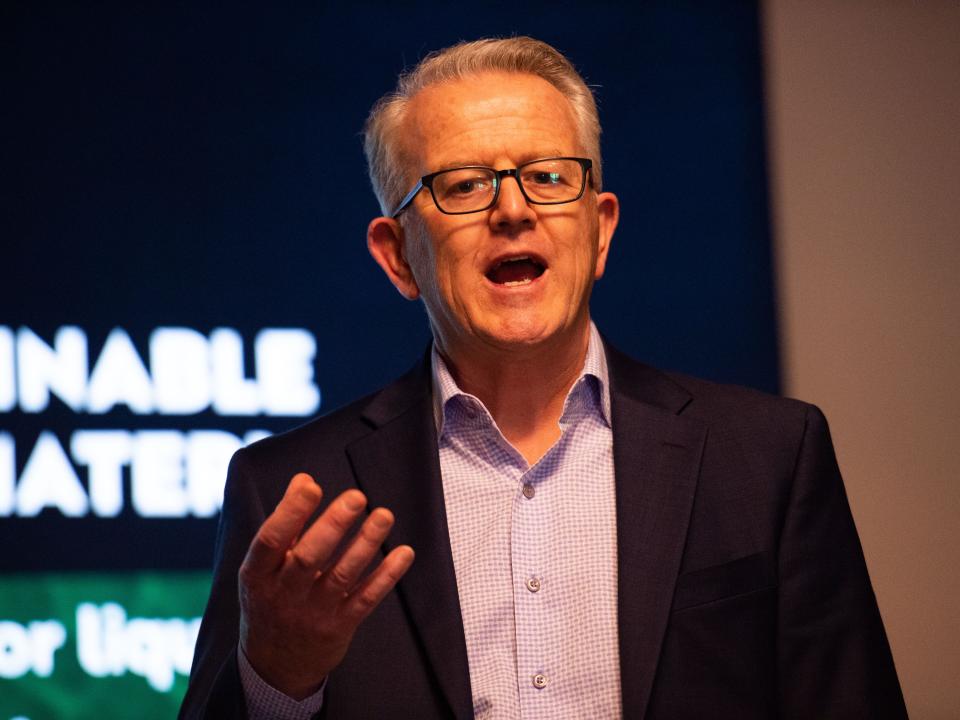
(103, 645)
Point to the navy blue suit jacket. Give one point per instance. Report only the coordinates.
(743, 591)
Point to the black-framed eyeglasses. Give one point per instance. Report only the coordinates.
(462, 190)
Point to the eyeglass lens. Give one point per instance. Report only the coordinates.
(545, 181)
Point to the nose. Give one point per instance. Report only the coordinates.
(512, 210)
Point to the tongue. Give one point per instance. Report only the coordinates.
(515, 271)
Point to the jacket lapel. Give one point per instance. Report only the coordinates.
(397, 466)
(656, 455)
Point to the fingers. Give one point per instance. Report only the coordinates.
(364, 547)
(297, 563)
(379, 583)
(321, 540)
(269, 547)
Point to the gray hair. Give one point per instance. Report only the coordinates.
(385, 161)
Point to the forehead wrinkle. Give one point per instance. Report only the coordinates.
(498, 147)
(462, 113)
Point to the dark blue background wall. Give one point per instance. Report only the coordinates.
(202, 167)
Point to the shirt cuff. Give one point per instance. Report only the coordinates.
(264, 702)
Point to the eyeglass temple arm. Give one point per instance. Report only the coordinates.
(408, 199)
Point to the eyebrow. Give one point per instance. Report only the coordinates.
(526, 157)
(458, 164)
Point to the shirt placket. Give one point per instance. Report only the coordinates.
(530, 588)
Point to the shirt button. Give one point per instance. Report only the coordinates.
(529, 491)
(533, 584)
(539, 681)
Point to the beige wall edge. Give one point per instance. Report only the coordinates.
(864, 147)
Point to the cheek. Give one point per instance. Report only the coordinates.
(439, 274)
(579, 254)
(419, 254)
(454, 275)
(454, 258)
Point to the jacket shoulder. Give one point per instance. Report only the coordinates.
(705, 400)
(320, 444)
(757, 422)
(334, 429)
(728, 401)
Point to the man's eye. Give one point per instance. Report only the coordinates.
(464, 187)
(544, 178)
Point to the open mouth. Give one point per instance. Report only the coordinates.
(520, 270)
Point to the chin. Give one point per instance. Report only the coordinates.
(517, 332)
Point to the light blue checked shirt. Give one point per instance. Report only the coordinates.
(535, 554)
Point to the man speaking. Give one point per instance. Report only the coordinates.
(593, 538)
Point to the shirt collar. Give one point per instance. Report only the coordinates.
(595, 366)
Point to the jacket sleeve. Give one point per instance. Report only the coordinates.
(215, 689)
(834, 658)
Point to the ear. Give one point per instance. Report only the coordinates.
(385, 241)
(608, 215)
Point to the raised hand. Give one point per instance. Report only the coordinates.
(300, 604)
